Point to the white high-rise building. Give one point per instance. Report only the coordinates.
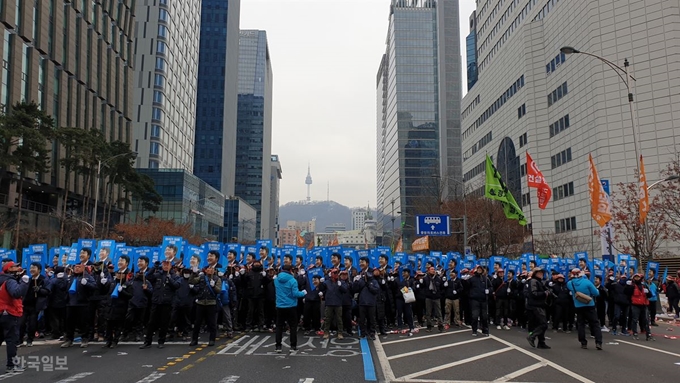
(562, 107)
(358, 219)
(165, 82)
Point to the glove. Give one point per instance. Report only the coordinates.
(302, 272)
(220, 274)
(60, 275)
(444, 278)
(320, 294)
(455, 292)
(36, 288)
(274, 277)
(201, 274)
(102, 275)
(629, 283)
(486, 291)
(120, 288)
(83, 281)
(303, 300)
(231, 276)
(550, 284)
(383, 281)
(50, 273)
(357, 278)
(446, 284)
(339, 283)
(611, 278)
(304, 291)
(330, 273)
(495, 276)
(509, 291)
(191, 286)
(418, 286)
(646, 291)
(212, 283)
(322, 280)
(242, 271)
(103, 281)
(264, 273)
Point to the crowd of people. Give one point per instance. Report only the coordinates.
(110, 303)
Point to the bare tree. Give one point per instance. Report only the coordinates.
(562, 244)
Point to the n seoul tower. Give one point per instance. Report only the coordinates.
(308, 181)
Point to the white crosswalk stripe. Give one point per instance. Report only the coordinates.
(306, 380)
(152, 378)
(230, 379)
(76, 377)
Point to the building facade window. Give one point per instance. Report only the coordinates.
(157, 114)
(25, 70)
(523, 140)
(155, 148)
(155, 131)
(17, 16)
(159, 81)
(563, 191)
(162, 31)
(158, 96)
(6, 70)
(41, 82)
(560, 158)
(163, 15)
(565, 225)
(521, 111)
(557, 94)
(161, 47)
(160, 64)
(559, 125)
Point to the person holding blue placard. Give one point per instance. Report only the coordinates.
(14, 285)
(183, 302)
(164, 283)
(141, 291)
(653, 300)
(120, 297)
(35, 301)
(57, 301)
(367, 287)
(312, 312)
(255, 281)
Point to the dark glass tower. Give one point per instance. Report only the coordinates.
(471, 52)
(216, 104)
(253, 140)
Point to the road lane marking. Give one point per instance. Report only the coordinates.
(230, 379)
(241, 347)
(434, 348)
(258, 345)
(76, 377)
(388, 374)
(453, 364)
(423, 337)
(521, 372)
(306, 380)
(369, 368)
(151, 378)
(649, 348)
(544, 360)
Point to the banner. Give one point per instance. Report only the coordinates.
(420, 244)
(495, 189)
(600, 208)
(643, 194)
(536, 180)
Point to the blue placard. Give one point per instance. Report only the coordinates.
(433, 225)
(105, 250)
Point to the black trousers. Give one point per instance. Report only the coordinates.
(159, 320)
(347, 318)
(57, 318)
(181, 318)
(77, 317)
(9, 324)
(480, 316)
(367, 320)
(255, 316)
(652, 312)
(404, 314)
(207, 313)
(588, 315)
(98, 312)
(312, 316)
(29, 322)
(540, 323)
(564, 315)
(287, 315)
(134, 320)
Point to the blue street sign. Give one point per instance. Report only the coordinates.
(605, 185)
(433, 225)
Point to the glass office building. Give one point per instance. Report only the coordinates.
(216, 103)
(418, 133)
(254, 127)
(471, 52)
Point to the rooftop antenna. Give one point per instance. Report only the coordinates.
(308, 181)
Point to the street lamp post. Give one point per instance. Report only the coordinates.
(464, 219)
(669, 178)
(96, 197)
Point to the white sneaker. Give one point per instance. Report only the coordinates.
(604, 329)
(506, 328)
(499, 328)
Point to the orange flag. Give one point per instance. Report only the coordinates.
(400, 246)
(300, 240)
(334, 242)
(643, 194)
(600, 208)
(536, 180)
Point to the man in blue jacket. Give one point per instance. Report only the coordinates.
(287, 295)
(585, 309)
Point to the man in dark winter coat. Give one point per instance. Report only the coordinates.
(367, 287)
(82, 284)
(537, 294)
(478, 296)
(35, 301)
(165, 282)
(433, 286)
(58, 299)
(331, 290)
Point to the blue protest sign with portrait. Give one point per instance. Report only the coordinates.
(105, 250)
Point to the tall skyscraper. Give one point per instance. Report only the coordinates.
(275, 179)
(471, 52)
(74, 60)
(166, 58)
(560, 107)
(419, 90)
(254, 124)
(217, 95)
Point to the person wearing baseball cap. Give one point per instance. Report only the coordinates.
(15, 285)
(536, 304)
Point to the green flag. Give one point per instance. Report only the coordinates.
(495, 189)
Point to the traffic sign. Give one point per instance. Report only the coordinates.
(433, 225)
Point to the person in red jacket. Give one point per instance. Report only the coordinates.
(639, 296)
(13, 287)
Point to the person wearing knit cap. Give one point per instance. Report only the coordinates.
(536, 304)
(639, 296)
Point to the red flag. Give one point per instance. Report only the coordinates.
(536, 180)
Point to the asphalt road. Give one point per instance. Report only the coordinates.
(453, 356)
